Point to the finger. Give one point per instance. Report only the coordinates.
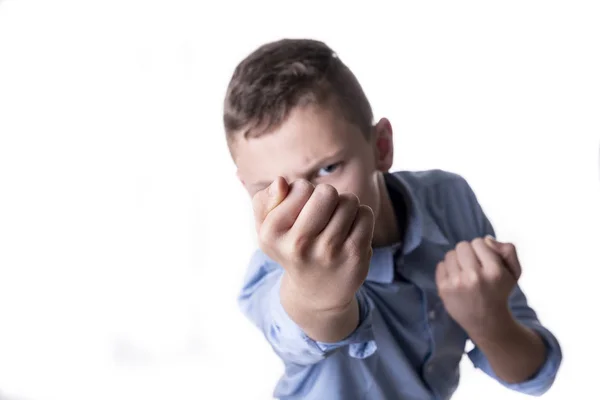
(489, 258)
(451, 264)
(467, 260)
(508, 252)
(317, 211)
(361, 231)
(281, 218)
(338, 227)
(440, 273)
(264, 201)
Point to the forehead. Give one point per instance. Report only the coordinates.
(309, 135)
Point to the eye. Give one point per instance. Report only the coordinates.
(328, 170)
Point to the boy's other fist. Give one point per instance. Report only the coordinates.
(475, 281)
(320, 237)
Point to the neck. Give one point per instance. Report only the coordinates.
(387, 231)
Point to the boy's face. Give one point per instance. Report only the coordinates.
(316, 144)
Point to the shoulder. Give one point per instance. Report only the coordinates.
(447, 200)
(434, 181)
(429, 178)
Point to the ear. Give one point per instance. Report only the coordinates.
(383, 145)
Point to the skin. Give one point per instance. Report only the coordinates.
(475, 281)
(321, 205)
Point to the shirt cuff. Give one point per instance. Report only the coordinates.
(542, 380)
(360, 343)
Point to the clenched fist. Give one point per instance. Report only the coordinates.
(475, 281)
(320, 237)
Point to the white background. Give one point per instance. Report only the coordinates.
(124, 234)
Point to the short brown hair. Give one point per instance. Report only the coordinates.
(281, 75)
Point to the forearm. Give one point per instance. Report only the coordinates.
(514, 351)
(327, 326)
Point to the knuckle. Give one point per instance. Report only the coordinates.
(304, 186)
(325, 256)
(266, 239)
(472, 279)
(332, 244)
(348, 203)
(350, 199)
(326, 192)
(365, 210)
(462, 245)
(290, 252)
(299, 243)
(330, 257)
(455, 282)
(495, 275)
(265, 236)
(365, 213)
(450, 256)
(477, 242)
(443, 287)
(519, 271)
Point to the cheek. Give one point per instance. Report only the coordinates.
(357, 179)
(370, 194)
(365, 190)
(372, 198)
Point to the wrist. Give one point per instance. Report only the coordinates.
(308, 301)
(499, 326)
(323, 324)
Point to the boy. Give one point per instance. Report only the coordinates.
(367, 283)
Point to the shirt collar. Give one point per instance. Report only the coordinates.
(420, 225)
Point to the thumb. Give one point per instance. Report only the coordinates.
(508, 252)
(267, 199)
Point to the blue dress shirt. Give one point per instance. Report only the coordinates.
(406, 345)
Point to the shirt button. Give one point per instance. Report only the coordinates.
(431, 314)
(429, 368)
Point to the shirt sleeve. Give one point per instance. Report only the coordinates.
(543, 379)
(260, 302)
